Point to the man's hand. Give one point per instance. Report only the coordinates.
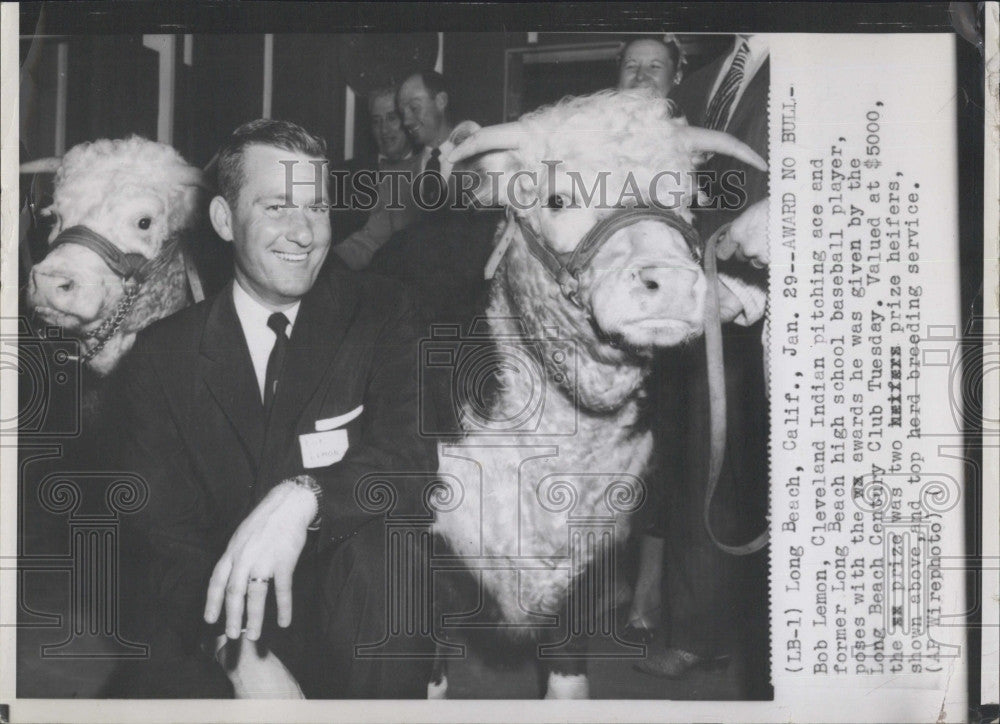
(746, 240)
(255, 672)
(266, 545)
(730, 306)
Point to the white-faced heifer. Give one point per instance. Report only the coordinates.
(115, 264)
(595, 267)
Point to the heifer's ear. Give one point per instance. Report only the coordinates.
(222, 218)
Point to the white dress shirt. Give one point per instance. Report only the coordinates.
(259, 337)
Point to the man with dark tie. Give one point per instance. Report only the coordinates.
(716, 601)
(253, 417)
(423, 103)
(441, 256)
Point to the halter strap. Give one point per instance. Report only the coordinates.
(566, 267)
(128, 266)
(717, 400)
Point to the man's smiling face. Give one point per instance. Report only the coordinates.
(280, 230)
(423, 113)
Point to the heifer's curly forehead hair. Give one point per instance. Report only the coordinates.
(262, 132)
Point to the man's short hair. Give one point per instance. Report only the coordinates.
(433, 81)
(669, 42)
(380, 92)
(262, 132)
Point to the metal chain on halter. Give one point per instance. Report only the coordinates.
(109, 327)
(132, 268)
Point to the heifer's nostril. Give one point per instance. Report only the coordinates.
(652, 277)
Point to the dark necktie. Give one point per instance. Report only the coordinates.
(278, 323)
(431, 188)
(722, 102)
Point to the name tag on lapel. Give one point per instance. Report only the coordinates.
(320, 449)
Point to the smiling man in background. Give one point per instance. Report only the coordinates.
(394, 209)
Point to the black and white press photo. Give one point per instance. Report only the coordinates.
(384, 362)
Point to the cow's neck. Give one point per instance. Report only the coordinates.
(593, 393)
(162, 294)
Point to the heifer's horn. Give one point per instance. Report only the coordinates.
(42, 165)
(502, 137)
(704, 139)
(193, 176)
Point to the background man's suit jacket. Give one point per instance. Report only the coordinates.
(747, 122)
(194, 426)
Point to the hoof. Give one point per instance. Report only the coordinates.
(438, 689)
(568, 686)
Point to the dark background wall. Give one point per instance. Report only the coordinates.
(112, 82)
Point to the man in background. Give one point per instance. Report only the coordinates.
(394, 209)
(653, 63)
(442, 255)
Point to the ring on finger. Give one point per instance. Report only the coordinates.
(254, 579)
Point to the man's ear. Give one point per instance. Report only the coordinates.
(441, 101)
(222, 218)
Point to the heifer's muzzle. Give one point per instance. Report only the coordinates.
(132, 268)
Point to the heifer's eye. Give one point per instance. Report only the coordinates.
(558, 201)
(145, 222)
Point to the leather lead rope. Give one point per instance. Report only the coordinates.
(717, 398)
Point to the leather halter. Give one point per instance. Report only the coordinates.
(129, 266)
(132, 268)
(566, 267)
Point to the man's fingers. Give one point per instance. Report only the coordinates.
(236, 591)
(217, 589)
(726, 247)
(256, 599)
(283, 597)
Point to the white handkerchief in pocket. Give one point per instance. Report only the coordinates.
(332, 423)
(320, 449)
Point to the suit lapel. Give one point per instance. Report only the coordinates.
(229, 376)
(320, 326)
(696, 104)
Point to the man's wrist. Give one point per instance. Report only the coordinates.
(309, 483)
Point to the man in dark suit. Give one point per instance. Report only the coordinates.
(718, 601)
(252, 417)
(442, 254)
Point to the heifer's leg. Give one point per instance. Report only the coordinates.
(437, 687)
(567, 678)
(566, 673)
